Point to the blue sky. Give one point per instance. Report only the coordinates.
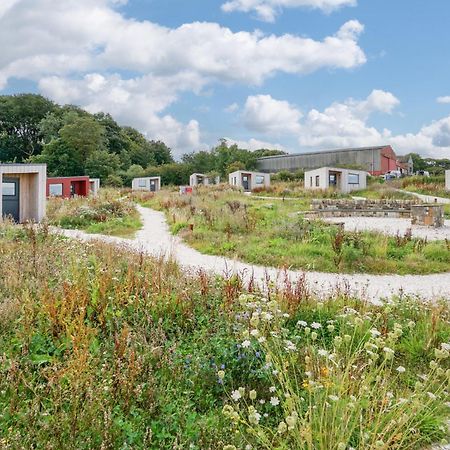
(290, 74)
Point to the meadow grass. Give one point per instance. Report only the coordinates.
(106, 349)
(107, 213)
(273, 233)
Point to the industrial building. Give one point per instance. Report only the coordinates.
(375, 160)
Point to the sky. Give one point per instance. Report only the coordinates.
(296, 75)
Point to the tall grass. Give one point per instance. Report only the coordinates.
(106, 349)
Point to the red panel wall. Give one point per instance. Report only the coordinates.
(80, 185)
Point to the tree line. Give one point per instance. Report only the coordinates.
(72, 141)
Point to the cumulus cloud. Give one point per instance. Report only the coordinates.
(71, 48)
(264, 114)
(267, 10)
(345, 124)
(255, 144)
(232, 108)
(138, 102)
(445, 99)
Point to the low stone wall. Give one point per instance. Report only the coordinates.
(361, 208)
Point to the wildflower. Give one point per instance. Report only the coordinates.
(227, 410)
(316, 325)
(330, 328)
(282, 427)
(323, 353)
(261, 340)
(440, 353)
(431, 396)
(379, 444)
(307, 330)
(229, 447)
(313, 335)
(400, 369)
(246, 343)
(445, 346)
(347, 338)
(275, 372)
(286, 315)
(302, 323)
(341, 446)
(374, 332)
(333, 398)
(254, 333)
(267, 316)
(433, 364)
(272, 389)
(290, 346)
(254, 417)
(262, 401)
(389, 352)
(252, 394)
(291, 420)
(236, 395)
(338, 341)
(274, 401)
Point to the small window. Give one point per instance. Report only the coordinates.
(317, 180)
(310, 181)
(353, 178)
(259, 179)
(142, 182)
(9, 189)
(55, 190)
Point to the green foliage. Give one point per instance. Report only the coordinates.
(20, 135)
(274, 233)
(104, 348)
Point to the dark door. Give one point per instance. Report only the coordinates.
(10, 198)
(245, 182)
(152, 185)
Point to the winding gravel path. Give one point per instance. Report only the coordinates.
(155, 239)
(392, 226)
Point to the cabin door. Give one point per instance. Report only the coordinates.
(246, 182)
(10, 198)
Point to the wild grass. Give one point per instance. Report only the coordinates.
(106, 349)
(108, 213)
(434, 185)
(272, 233)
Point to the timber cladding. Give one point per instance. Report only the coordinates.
(31, 179)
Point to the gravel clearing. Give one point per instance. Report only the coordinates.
(155, 239)
(391, 226)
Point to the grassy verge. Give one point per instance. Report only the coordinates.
(107, 213)
(101, 348)
(272, 233)
(434, 185)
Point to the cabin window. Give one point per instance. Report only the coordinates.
(142, 183)
(9, 189)
(56, 190)
(317, 180)
(259, 179)
(353, 178)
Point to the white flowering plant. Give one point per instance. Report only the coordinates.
(340, 376)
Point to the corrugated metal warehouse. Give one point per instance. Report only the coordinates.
(376, 160)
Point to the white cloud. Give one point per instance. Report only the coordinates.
(346, 124)
(232, 108)
(267, 10)
(264, 114)
(255, 144)
(138, 102)
(445, 99)
(72, 47)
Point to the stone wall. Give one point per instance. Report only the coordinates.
(427, 215)
(361, 208)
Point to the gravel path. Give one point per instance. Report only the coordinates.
(155, 239)
(427, 198)
(392, 226)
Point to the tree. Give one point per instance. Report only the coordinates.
(20, 115)
(171, 174)
(101, 164)
(61, 159)
(117, 140)
(84, 135)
